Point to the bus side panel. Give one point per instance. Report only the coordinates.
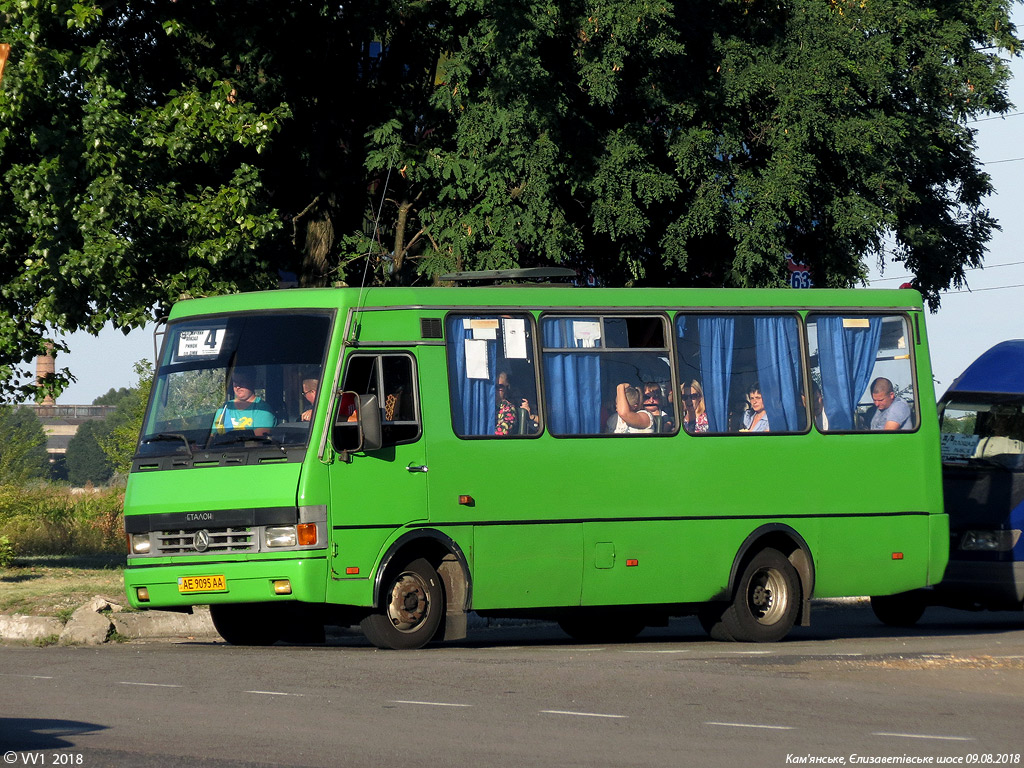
(354, 556)
(659, 562)
(874, 555)
(527, 566)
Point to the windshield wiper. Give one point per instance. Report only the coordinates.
(169, 437)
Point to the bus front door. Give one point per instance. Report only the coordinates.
(374, 493)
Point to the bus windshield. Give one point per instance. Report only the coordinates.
(985, 430)
(238, 382)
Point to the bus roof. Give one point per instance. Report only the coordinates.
(1000, 370)
(549, 296)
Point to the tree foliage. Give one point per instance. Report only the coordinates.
(120, 437)
(112, 396)
(87, 463)
(23, 454)
(152, 150)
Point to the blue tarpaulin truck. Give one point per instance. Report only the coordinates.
(982, 434)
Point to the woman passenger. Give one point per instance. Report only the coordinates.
(755, 419)
(507, 412)
(696, 418)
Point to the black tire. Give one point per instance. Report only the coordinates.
(765, 606)
(247, 623)
(300, 628)
(902, 610)
(601, 626)
(412, 606)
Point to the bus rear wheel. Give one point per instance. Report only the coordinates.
(411, 609)
(765, 606)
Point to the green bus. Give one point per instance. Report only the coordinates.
(397, 458)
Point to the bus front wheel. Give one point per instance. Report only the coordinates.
(411, 609)
(765, 606)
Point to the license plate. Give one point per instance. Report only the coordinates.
(202, 584)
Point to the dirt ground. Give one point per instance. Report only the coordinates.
(55, 586)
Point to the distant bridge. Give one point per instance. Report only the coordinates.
(60, 422)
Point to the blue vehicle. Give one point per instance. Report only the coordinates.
(982, 433)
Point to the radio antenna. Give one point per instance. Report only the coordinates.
(373, 238)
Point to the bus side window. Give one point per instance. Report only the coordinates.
(607, 374)
(741, 373)
(391, 377)
(492, 376)
(864, 368)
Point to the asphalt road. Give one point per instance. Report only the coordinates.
(845, 691)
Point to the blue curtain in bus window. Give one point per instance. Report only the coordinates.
(846, 356)
(716, 348)
(572, 381)
(778, 372)
(471, 379)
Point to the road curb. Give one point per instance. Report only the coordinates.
(102, 620)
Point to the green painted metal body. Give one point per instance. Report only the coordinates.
(563, 521)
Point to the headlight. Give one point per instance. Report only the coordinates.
(140, 544)
(989, 541)
(283, 536)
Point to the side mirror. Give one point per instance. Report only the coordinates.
(357, 423)
(369, 421)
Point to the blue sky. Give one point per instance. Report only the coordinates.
(968, 323)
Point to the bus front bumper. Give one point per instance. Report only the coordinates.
(179, 586)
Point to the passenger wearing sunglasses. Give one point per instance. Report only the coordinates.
(696, 419)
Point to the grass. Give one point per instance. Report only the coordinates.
(59, 548)
(53, 585)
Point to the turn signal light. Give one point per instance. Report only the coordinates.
(307, 534)
(282, 587)
(142, 593)
(897, 555)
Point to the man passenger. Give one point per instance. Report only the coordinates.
(891, 413)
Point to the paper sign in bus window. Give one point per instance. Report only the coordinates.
(200, 343)
(514, 336)
(586, 333)
(954, 446)
(476, 359)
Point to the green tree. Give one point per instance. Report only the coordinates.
(23, 453)
(120, 437)
(112, 396)
(151, 150)
(86, 461)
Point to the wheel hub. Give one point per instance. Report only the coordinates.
(767, 596)
(408, 602)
